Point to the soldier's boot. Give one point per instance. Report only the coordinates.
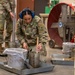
(6, 45)
(1, 49)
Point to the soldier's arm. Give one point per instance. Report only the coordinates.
(19, 32)
(12, 4)
(42, 31)
(7, 7)
(43, 35)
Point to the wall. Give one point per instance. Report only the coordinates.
(39, 6)
(21, 4)
(67, 1)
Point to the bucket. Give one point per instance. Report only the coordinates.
(34, 59)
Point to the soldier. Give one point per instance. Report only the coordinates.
(9, 22)
(29, 27)
(4, 8)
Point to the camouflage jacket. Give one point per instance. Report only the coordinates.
(5, 7)
(4, 4)
(29, 32)
(12, 4)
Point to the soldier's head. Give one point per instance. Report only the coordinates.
(27, 15)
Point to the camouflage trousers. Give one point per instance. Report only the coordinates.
(8, 31)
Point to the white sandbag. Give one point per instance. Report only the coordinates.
(68, 46)
(16, 57)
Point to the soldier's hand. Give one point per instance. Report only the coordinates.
(12, 15)
(39, 47)
(25, 46)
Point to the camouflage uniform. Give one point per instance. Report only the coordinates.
(3, 7)
(6, 6)
(29, 32)
(9, 20)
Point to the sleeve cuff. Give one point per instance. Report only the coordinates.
(22, 41)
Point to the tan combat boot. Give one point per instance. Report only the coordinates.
(1, 49)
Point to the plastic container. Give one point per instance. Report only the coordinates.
(56, 1)
(48, 9)
(53, 2)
